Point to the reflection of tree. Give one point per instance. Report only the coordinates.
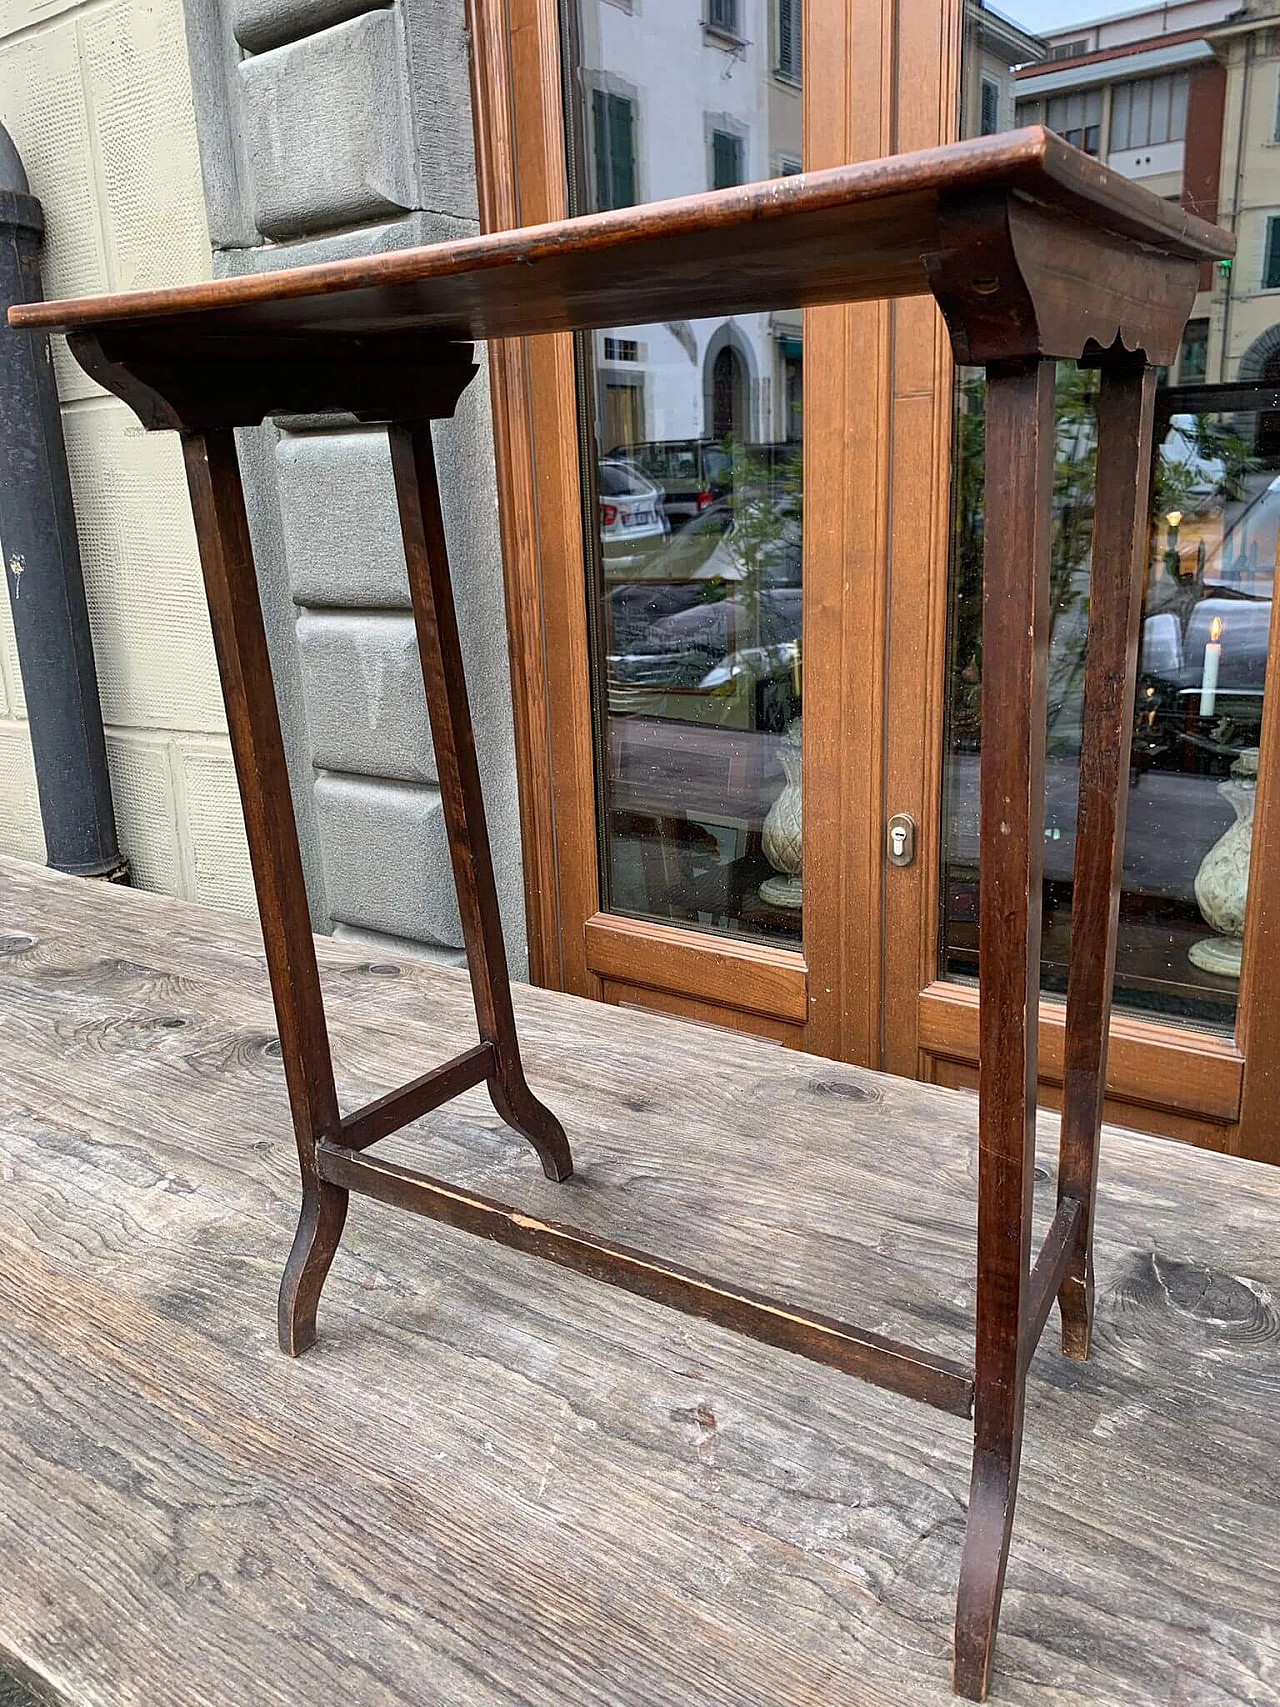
(767, 506)
(1179, 485)
(1074, 470)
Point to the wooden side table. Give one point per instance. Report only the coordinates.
(1034, 253)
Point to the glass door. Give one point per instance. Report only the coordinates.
(1193, 764)
(697, 648)
(691, 453)
(1191, 1025)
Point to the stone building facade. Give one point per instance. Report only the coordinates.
(258, 134)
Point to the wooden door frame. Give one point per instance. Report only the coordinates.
(878, 382)
(826, 999)
(1161, 1078)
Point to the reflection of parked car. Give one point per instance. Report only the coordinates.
(1224, 600)
(632, 514)
(723, 545)
(705, 650)
(692, 473)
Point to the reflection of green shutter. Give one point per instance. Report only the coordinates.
(601, 146)
(613, 129)
(792, 348)
(726, 159)
(789, 38)
(1271, 277)
(622, 148)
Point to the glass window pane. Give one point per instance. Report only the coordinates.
(1159, 110)
(693, 494)
(1121, 97)
(1178, 108)
(1193, 762)
(1140, 116)
(990, 107)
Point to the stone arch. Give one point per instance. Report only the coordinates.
(728, 337)
(1260, 364)
(1263, 353)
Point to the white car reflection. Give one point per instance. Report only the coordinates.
(633, 519)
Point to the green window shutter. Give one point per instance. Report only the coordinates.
(622, 151)
(600, 140)
(726, 159)
(789, 28)
(1271, 267)
(613, 138)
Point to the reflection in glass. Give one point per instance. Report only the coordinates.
(1205, 620)
(691, 456)
(1206, 615)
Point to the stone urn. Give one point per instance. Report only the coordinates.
(1222, 882)
(781, 839)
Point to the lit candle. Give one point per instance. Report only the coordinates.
(1172, 559)
(1209, 676)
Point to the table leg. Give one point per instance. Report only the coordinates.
(1019, 459)
(240, 642)
(426, 557)
(1116, 580)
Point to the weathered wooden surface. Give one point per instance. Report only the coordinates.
(494, 1482)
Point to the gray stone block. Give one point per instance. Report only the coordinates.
(366, 711)
(262, 24)
(341, 528)
(214, 59)
(408, 231)
(325, 130)
(384, 947)
(439, 104)
(255, 447)
(349, 134)
(386, 858)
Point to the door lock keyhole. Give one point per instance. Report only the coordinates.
(901, 839)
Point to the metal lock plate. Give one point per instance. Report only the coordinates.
(900, 839)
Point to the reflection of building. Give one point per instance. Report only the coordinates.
(1144, 92)
(647, 76)
(993, 47)
(1244, 338)
(1185, 97)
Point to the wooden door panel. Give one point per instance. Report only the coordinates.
(880, 76)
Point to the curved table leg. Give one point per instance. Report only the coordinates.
(431, 590)
(993, 1493)
(240, 642)
(1019, 451)
(1116, 578)
(315, 1244)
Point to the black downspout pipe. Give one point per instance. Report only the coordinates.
(42, 566)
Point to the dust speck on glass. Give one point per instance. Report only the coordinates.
(1215, 531)
(690, 438)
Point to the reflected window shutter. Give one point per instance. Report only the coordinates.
(600, 139)
(1271, 274)
(726, 159)
(786, 38)
(622, 148)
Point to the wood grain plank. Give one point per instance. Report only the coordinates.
(496, 1484)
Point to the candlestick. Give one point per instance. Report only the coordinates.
(1209, 676)
(1172, 557)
